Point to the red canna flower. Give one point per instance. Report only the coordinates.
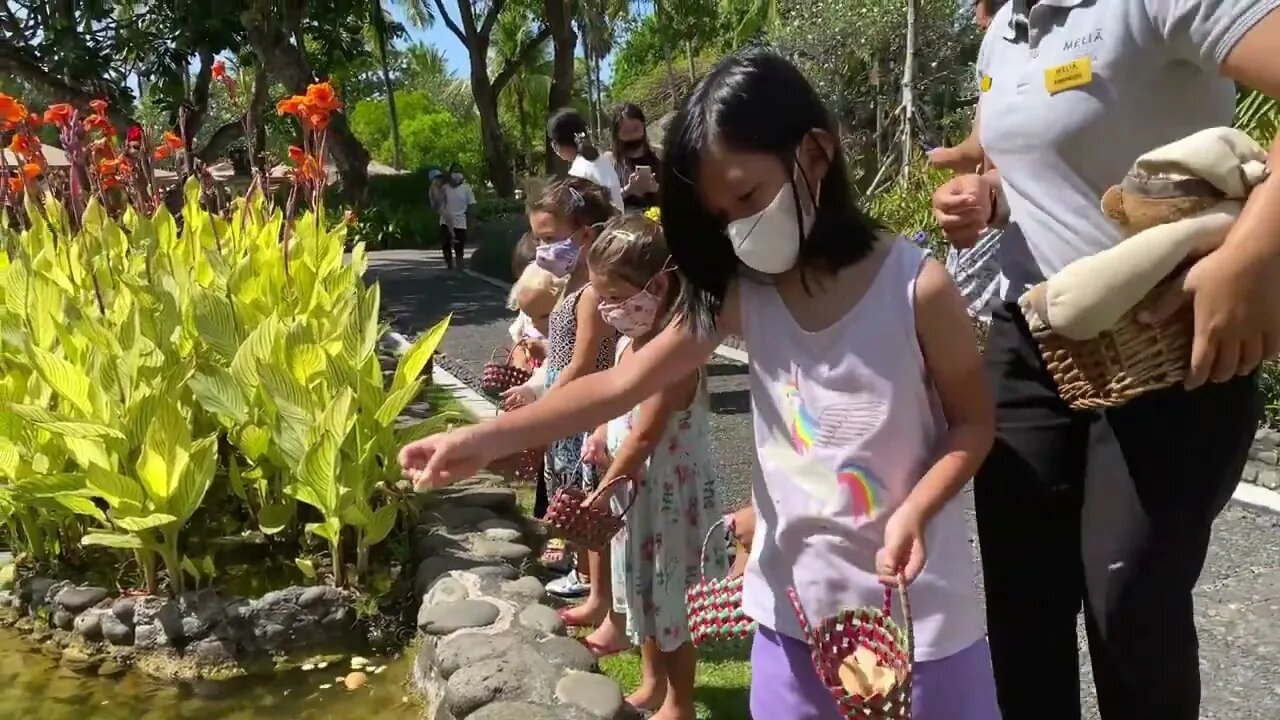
(32, 170)
(16, 185)
(291, 105)
(163, 152)
(321, 97)
(297, 154)
(173, 141)
(58, 114)
(99, 106)
(219, 70)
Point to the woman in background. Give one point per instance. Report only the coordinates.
(631, 154)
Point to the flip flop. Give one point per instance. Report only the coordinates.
(600, 651)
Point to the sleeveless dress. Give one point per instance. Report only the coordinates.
(563, 465)
(656, 556)
(846, 422)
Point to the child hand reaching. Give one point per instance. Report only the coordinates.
(595, 449)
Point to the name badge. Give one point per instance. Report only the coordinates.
(1068, 76)
(985, 83)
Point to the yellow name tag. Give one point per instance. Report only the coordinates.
(985, 83)
(1067, 76)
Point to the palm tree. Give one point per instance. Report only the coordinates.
(419, 15)
(1257, 115)
(530, 87)
(598, 24)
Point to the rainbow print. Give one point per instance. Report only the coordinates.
(864, 489)
(803, 426)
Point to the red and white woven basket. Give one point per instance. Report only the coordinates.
(836, 638)
(715, 606)
(498, 377)
(572, 515)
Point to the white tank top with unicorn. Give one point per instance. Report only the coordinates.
(846, 422)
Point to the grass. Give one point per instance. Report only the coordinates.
(721, 687)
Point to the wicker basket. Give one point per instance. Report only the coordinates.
(524, 466)
(715, 606)
(836, 638)
(573, 515)
(498, 377)
(1120, 364)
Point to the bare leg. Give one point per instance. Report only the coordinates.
(611, 637)
(592, 612)
(680, 666)
(653, 679)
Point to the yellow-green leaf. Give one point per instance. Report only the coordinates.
(384, 519)
(61, 425)
(70, 382)
(396, 402)
(254, 441)
(113, 540)
(274, 517)
(415, 358)
(216, 389)
(141, 523)
(165, 455)
(197, 478)
(215, 322)
(319, 475)
(118, 490)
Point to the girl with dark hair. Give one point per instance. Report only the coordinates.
(870, 407)
(572, 143)
(634, 160)
(566, 220)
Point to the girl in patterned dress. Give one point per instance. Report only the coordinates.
(566, 220)
(664, 444)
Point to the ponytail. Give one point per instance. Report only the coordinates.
(585, 148)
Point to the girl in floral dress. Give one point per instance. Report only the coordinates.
(664, 444)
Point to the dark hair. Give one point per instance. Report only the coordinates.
(578, 200)
(455, 167)
(567, 127)
(625, 112)
(525, 250)
(753, 101)
(633, 249)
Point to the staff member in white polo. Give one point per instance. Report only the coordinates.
(1111, 510)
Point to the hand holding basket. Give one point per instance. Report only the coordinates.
(578, 518)
(500, 376)
(715, 606)
(835, 640)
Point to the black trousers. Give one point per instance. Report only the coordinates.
(1108, 510)
(452, 242)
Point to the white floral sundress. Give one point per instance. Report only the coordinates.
(656, 557)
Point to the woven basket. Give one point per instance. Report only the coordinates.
(1122, 363)
(498, 377)
(715, 606)
(573, 515)
(836, 638)
(524, 466)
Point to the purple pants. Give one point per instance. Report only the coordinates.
(785, 685)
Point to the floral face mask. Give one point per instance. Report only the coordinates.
(635, 316)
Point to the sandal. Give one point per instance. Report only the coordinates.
(553, 553)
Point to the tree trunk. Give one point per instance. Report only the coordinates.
(559, 18)
(693, 71)
(604, 119)
(663, 18)
(526, 138)
(908, 90)
(495, 145)
(380, 34)
(271, 44)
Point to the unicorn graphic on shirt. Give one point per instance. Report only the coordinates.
(839, 425)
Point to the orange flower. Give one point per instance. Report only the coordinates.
(163, 152)
(11, 111)
(109, 166)
(297, 154)
(98, 122)
(15, 185)
(219, 70)
(321, 97)
(33, 170)
(58, 114)
(173, 141)
(99, 106)
(34, 122)
(318, 121)
(291, 105)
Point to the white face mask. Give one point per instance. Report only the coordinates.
(769, 241)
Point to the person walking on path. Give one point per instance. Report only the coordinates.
(1111, 510)
(869, 403)
(455, 215)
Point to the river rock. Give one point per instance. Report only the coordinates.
(319, 595)
(33, 591)
(213, 651)
(518, 711)
(123, 610)
(594, 693)
(111, 668)
(63, 619)
(79, 599)
(89, 625)
(157, 623)
(433, 567)
(1269, 479)
(445, 618)
(542, 619)
(568, 654)
(115, 631)
(518, 676)
(78, 660)
(526, 588)
(464, 517)
(500, 550)
(446, 589)
(498, 500)
(460, 651)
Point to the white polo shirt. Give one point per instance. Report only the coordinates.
(1073, 91)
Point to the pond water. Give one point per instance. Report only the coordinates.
(33, 684)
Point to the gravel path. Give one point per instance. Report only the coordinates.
(1237, 601)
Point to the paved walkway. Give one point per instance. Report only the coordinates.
(1238, 600)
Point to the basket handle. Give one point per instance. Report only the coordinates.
(908, 621)
(510, 353)
(607, 486)
(727, 523)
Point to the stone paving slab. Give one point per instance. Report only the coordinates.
(1237, 600)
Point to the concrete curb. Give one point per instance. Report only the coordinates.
(475, 403)
(724, 351)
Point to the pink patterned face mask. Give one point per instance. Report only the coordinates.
(633, 317)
